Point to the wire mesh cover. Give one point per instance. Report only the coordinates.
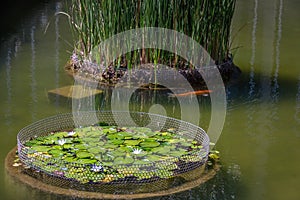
(155, 175)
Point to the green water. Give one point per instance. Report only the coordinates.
(260, 141)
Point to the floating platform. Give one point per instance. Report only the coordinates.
(65, 95)
(75, 92)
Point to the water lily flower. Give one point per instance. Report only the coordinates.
(61, 141)
(59, 173)
(71, 133)
(64, 168)
(137, 151)
(96, 168)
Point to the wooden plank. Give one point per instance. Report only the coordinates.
(75, 92)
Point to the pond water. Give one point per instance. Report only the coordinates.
(261, 136)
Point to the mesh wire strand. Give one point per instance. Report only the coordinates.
(127, 184)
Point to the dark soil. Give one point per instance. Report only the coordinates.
(109, 76)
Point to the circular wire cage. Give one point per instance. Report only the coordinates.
(157, 175)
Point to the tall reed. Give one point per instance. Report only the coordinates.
(206, 21)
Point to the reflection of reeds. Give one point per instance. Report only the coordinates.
(206, 21)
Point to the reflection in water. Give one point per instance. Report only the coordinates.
(58, 7)
(275, 92)
(33, 74)
(267, 111)
(297, 113)
(252, 82)
(44, 17)
(12, 52)
(8, 88)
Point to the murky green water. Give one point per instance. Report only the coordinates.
(260, 141)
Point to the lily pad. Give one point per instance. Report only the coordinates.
(80, 146)
(149, 144)
(67, 146)
(86, 161)
(161, 150)
(32, 143)
(69, 159)
(116, 153)
(93, 134)
(110, 145)
(154, 158)
(125, 134)
(96, 150)
(84, 154)
(41, 148)
(116, 136)
(125, 148)
(61, 134)
(122, 160)
(131, 142)
(89, 139)
(109, 130)
(178, 152)
(56, 152)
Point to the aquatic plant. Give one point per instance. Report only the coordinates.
(206, 21)
(101, 154)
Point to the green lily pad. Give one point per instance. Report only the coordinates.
(32, 143)
(84, 154)
(154, 158)
(80, 146)
(125, 134)
(95, 144)
(109, 130)
(109, 145)
(131, 142)
(86, 161)
(149, 144)
(124, 148)
(161, 150)
(151, 139)
(56, 152)
(86, 139)
(93, 134)
(67, 146)
(107, 157)
(121, 160)
(96, 150)
(60, 134)
(69, 159)
(185, 144)
(41, 148)
(177, 153)
(120, 136)
(57, 147)
(116, 153)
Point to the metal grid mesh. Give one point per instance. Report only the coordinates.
(123, 181)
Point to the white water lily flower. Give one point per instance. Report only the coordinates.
(61, 141)
(137, 151)
(96, 168)
(71, 133)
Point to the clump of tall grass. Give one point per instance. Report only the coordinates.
(206, 21)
